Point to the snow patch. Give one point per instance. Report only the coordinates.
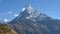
(27, 17)
(16, 15)
(29, 12)
(31, 16)
(34, 20)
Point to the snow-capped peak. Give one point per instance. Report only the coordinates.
(28, 12)
(29, 7)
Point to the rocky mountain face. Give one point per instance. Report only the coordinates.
(4, 29)
(30, 21)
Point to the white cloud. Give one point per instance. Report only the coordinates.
(9, 12)
(23, 9)
(16, 15)
(6, 20)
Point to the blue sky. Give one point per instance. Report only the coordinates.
(9, 8)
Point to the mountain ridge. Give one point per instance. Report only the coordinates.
(30, 21)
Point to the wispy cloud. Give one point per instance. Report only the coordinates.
(14, 14)
(9, 12)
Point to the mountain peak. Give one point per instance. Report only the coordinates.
(29, 12)
(30, 21)
(29, 7)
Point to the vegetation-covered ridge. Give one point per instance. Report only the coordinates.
(4, 29)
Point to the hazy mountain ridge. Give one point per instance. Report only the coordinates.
(30, 21)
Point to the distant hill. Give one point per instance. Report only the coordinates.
(4, 29)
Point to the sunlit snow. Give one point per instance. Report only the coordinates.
(29, 7)
(33, 20)
(16, 15)
(31, 16)
(27, 17)
(29, 12)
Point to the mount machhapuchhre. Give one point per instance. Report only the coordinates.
(30, 21)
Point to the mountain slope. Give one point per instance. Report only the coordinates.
(30, 21)
(5, 30)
